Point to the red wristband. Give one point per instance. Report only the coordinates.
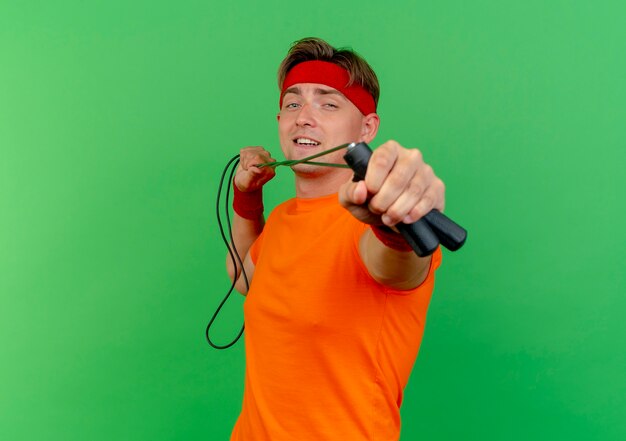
(248, 204)
(390, 238)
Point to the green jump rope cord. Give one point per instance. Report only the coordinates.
(307, 160)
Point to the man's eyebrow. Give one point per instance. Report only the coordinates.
(318, 91)
(295, 90)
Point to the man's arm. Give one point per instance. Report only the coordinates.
(248, 220)
(398, 187)
(245, 232)
(397, 269)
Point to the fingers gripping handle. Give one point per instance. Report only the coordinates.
(418, 234)
(423, 235)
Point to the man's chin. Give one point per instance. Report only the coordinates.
(308, 170)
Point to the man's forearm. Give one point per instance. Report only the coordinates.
(245, 232)
(399, 269)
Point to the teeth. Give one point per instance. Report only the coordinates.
(306, 141)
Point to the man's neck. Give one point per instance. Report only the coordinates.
(314, 186)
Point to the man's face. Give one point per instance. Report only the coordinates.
(316, 117)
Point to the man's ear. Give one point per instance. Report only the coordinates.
(369, 127)
(278, 117)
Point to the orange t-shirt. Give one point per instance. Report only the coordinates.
(328, 349)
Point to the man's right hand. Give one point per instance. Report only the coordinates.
(249, 177)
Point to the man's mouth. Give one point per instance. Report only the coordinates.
(306, 142)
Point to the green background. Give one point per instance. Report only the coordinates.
(117, 117)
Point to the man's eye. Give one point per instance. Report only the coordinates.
(291, 106)
(331, 105)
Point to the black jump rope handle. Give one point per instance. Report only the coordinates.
(425, 234)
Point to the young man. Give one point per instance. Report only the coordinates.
(337, 302)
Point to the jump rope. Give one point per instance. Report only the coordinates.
(424, 235)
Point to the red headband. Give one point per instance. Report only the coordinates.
(332, 75)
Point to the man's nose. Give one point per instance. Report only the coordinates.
(306, 116)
